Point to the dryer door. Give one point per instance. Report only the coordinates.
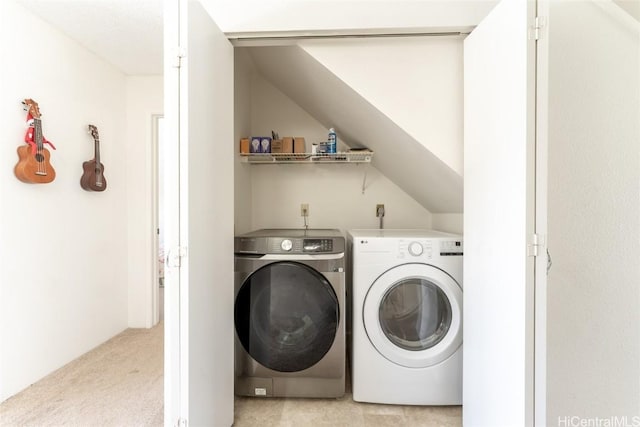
(413, 315)
(286, 316)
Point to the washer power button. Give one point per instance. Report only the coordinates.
(286, 245)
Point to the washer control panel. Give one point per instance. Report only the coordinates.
(317, 245)
(304, 245)
(290, 242)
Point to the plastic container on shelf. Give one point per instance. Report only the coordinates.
(332, 142)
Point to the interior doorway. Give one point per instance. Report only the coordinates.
(158, 221)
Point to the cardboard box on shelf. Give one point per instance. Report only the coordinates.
(244, 145)
(287, 144)
(298, 145)
(276, 146)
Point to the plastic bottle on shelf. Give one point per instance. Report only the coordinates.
(332, 142)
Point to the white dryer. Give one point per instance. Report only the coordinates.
(406, 294)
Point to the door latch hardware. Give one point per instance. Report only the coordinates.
(174, 256)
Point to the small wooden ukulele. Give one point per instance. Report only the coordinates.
(33, 165)
(93, 176)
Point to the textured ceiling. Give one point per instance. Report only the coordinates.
(126, 33)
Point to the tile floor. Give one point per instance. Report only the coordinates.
(282, 412)
(342, 412)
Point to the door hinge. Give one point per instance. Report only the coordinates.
(175, 255)
(181, 422)
(536, 30)
(179, 54)
(533, 248)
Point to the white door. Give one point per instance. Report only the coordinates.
(499, 155)
(199, 218)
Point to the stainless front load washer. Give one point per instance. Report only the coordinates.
(290, 313)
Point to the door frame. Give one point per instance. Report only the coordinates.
(174, 412)
(540, 222)
(156, 170)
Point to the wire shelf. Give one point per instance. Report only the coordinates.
(345, 157)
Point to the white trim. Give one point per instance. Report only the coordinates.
(287, 38)
(155, 221)
(541, 172)
(173, 397)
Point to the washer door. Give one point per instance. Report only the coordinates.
(286, 316)
(413, 315)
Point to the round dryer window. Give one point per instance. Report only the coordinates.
(286, 316)
(413, 315)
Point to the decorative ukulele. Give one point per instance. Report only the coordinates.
(93, 176)
(33, 165)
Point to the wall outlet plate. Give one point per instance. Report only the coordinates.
(379, 210)
(304, 209)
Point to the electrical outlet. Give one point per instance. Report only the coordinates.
(379, 210)
(304, 209)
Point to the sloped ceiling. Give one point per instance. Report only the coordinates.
(333, 103)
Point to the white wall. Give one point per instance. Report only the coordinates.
(333, 191)
(451, 223)
(416, 82)
(144, 98)
(593, 322)
(632, 7)
(286, 15)
(63, 283)
(334, 195)
(334, 103)
(244, 71)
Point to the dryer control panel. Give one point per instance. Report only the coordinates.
(409, 249)
(427, 248)
(451, 248)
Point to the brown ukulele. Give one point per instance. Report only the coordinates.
(33, 165)
(93, 176)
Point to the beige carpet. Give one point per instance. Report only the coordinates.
(119, 383)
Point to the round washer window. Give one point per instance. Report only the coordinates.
(415, 314)
(286, 316)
